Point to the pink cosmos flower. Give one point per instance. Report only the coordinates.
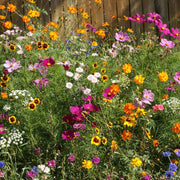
(42, 82)
(2, 129)
(154, 17)
(79, 126)
(48, 62)
(148, 96)
(96, 160)
(71, 158)
(166, 43)
(138, 18)
(120, 36)
(2, 174)
(76, 109)
(68, 135)
(12, 65)
(175, 33)
(113, 53)
(163, 28)
(51, 163)
(177, 77)
(107, 93)
(31, 174)
(90, 107)
(159, 107)
(89, 98)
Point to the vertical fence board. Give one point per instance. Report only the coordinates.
(97, 14)
(110, 10)
(174, 13)
(148, 6)
(136, 7)
(123, 9)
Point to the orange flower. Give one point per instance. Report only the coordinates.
(114, 88)
(127, 68)
(174, 161)
(105, 24)
(81, 31)
(163, 76)
(2, 7)
(84, 23)
(53, 35)
(28, 47)
(33, 13)
(11, 8)
(125, 18)
(30, 28)
(155, 143)
(26, 19)
(8, 24)
(114, 145)
(139, 79)
(4, 95)
(101, 33)
(85, 15)
(53, 24)
(2, 17)
(130, 30)
(128, 107)
(72, 10)
(126, 135)
(176, 128)
(31, 1)
(165, 96)
(98, 1)
(138, 46)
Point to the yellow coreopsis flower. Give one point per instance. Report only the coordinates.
(85, 15)
(136, 162)
(96, 140)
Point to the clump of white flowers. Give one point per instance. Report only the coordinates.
(173, 103)
(14, 137)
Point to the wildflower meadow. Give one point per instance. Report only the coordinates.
(95, 104)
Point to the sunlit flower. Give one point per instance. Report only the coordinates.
(128, 107)
(26, 19)
(28, 47)
(53, 35)
(120, 36)
(110, 124)
(136, 162)
(87, 164)
(11, 7)
(2, 17)
(114, 146)
(176, 127)
(32, 106)
(4, 95)
(104, 78)
(104, 140)
(155, 143)
(85, 15)
(177, 77)
(163, 76)
(126, 135)
(96, 160)
(127, 68)
(96, 140)
(98, 1)
(72, 10)
(5, 78)
(7, 24)
(12, 119)
(2, 7)
(101, 33)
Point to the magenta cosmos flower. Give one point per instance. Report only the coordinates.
(138, 18)
(51, 163)
(154, 17)
(96, 160)
(166, 43)
(41, 82)
(12, 65)
(163, 28)
(2, 129)
(71, 120)
(71, 158)
(48, 62)
(177, 77)
(175, 33)
(68, 135)
(107, 93)
(120, 36)
(76, 109)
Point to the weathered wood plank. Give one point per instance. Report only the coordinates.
(136, 7)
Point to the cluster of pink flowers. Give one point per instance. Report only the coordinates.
(158, 107)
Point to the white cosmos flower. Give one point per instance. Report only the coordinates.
(97, 75)
(79, 69)
(69, 85)
(87, 91)
(69, 74)
(90, 77)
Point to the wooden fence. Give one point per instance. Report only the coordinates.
(168, 9)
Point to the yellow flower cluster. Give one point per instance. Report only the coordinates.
(87, 164)
(163, 76)
(127, 68)
(139, 79)
(33, 13)
(136, 162)
(53, 35)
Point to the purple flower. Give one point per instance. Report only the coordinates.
(138, 18)
(113, 53)
(79, 126)
(96, 160)
(166, 43)
(139, 103)
(162, 28)
(68, 135)
(167, 153)
(173, 85)
(172, 167)
(76, 109)
(154, 17)
(42, 82)
(148, 96)
(146, 177)
(71, 158)
(5, 71)
(88, 26)
(51, 163)
(178, 153)
(169, 174)
(36, 151)
(107, 93)
(12, 65)
(89, 98)
(35, 169)
(175, 33)
(31, 174)
(69, 119)
(177, 77)
(93, 29)
(120, 36)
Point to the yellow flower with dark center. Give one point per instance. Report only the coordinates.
(12, 119)
(104, 140)
(45, 46)
(3, 84)
(5, 78)
(36, 101)
(136, 162)
(103, 71)
(104, 78)
(32, 106)
(12, 47)
(87, 164)
(85, 15)
(39, 45)
(95, 65)
(97, 130)
(110, 124)
(96, 140)
(128, 120)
